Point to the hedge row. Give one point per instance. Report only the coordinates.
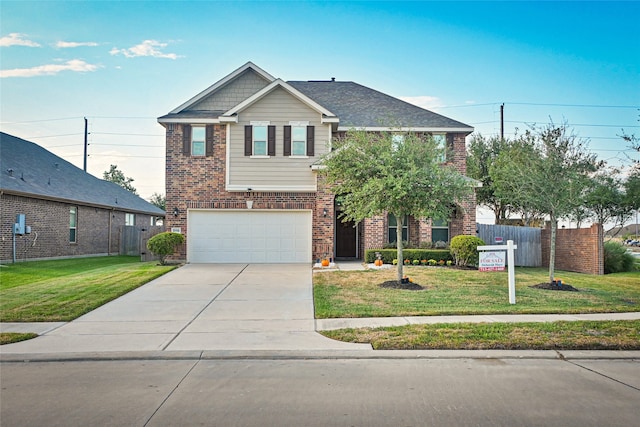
(388, 255)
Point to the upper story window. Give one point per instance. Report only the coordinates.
(260, 139)
(441, 144)
(129, 219)
(198, 138)
(299, 139)
(73, 221)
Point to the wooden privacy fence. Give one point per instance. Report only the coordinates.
(528, 240)
(133, 240)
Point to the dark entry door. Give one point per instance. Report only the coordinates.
(345, 239)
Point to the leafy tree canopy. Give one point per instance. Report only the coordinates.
(158, 200)
(396, 172)
(117, 176)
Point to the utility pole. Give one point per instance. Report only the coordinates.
(502, 122)
(85, 144)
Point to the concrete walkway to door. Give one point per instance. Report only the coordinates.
(199, 307)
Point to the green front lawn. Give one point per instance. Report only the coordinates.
(450, 292)
(62, 290)
(582, 335)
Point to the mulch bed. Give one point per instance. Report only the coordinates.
(393, 284)
(555, 287)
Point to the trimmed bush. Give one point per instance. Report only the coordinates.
(616, 258)
(465, 249)
(164, 244)
(388, 255)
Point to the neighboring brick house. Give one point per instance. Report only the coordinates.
(70, 212)
(241, 160)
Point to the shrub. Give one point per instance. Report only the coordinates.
(616, 258)
(164, 244)
(416, 262)
(464, 249)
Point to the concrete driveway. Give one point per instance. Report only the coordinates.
(200, 307)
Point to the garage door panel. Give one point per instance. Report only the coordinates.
(249, 236)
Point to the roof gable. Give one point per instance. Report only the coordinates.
(328, 116)
(29, 170)
(221, 83)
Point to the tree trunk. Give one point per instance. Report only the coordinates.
(552, 247)
(399, 225)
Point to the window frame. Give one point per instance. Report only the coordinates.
(302, 129)
(441, 146)
(405, 228)
(73, 224)
(254, 127)
(129, 219)
(202, 143)
(438, 225)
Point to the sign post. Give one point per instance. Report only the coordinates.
(495, 262)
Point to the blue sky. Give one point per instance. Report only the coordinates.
(123, 64)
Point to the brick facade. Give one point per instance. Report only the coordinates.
(577, 249)
(98, 229)
(200, 183)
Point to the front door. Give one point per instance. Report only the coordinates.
(346, 238)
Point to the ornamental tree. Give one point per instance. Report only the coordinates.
(399, 172)
(546, 171)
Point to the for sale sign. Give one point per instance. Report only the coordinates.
(492, 261)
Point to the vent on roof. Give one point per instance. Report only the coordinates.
(10, 172)
(333, 79)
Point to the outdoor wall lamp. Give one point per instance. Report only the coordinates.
(324, 212)
(176, 211)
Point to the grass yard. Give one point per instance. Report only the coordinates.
(450, 292)
(62, 290)
(582, 335)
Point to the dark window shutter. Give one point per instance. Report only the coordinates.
(209, 140)
(186, 140)
(248, 140)
(271, 140)
(287, 141)
(311, 137)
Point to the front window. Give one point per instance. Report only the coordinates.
(129, 219)
(299, 140)
(73, 220)
(393, 229)
(198, 134)
(439, 231)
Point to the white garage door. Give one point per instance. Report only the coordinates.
(248, 236)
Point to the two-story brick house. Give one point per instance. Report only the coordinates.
(241, 169)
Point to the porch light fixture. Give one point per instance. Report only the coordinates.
(324, 212)
(176, 211)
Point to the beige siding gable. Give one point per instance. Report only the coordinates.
(233, 93)
(275, 173)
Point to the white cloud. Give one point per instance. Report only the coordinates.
(146, 48)
(428, 102)
(17, 39)
(63, 44)
(75, 65)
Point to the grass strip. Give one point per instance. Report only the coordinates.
(561, 335)
(11, 337)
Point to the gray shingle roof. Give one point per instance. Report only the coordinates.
(360, 106)
(28, 169)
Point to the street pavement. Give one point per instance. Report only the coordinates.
(236, 345)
